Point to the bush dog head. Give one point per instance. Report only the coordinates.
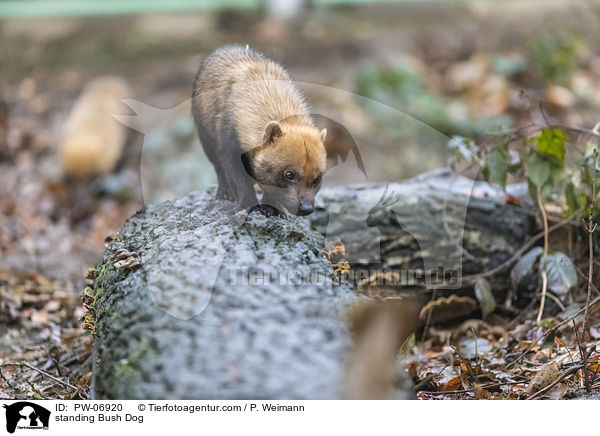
(288, 166)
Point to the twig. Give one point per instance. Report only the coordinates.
(465, 361)
(590, 227)
(584, 358)
(592, 132)
(545, 255)
(582, 275)
(464, 391)
(37, 391)
(44, 373)
(555, 382)
(544, 115)
(557, 301)
(429, 315)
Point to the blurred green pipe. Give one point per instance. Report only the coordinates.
(57, 8)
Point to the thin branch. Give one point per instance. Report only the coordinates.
(555, 382)
(590, 227)
(544, 275)
(582, 275)
(44, 373)
(584, 358)
(464, 391)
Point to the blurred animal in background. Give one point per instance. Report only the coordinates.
(93, 139)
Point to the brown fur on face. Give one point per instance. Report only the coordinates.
(291, 148)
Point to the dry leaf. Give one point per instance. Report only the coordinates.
(482, 394)
(546, 375)
(452, 385)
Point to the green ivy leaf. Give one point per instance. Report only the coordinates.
(496, 165)
(551, 142)
(538, 170)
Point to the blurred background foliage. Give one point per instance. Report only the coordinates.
(410, 75)
(401, 77)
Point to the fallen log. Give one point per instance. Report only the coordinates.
(436, 227)
(196, 300)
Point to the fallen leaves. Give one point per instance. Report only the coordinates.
(546, 375)
(479, 360)
(452, 385)
(39, 341)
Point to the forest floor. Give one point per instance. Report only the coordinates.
(466, 71)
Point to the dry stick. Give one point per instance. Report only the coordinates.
(544, 276)
(62, 382)
(37, 391)
(555, 382)
(557, 301)
(582, 275)
(590, 227)
(464, 391)
(593, 132)
(584, 355)
(429, 314)
(543, 336)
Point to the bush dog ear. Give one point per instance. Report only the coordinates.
(323, 135)
(272, 131)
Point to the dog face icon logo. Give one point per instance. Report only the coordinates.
(26, 415)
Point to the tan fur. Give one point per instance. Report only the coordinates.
(239, 90)
(300, 148)
(93, 140)
(258, 90)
